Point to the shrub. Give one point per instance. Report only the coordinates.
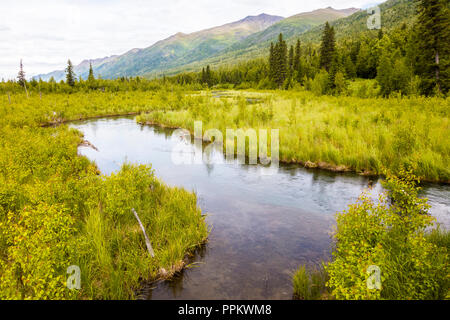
(38, 253)
(390, 234)
(320, 84)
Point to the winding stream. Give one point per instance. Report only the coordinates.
(263, 227)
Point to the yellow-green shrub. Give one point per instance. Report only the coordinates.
(391, 235)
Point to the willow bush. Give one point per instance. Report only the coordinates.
(393, 235)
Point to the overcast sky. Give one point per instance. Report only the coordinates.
(45, 33)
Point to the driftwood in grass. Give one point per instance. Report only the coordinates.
(86, 143)
(147, 240)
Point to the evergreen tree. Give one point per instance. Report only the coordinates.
(70, 75)
(297, 55)
(21, 76)
(334, 69)
(203, 79)
(91, 77)
(272, 63)
(291, 62)
(433, 49)
(280, 52)
(349, 66)
(328, 47)
(208, 76)
(298, 71)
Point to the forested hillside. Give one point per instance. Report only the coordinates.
(393, 14)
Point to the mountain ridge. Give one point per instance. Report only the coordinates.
(393, 14)
(232, 42)
(177, 46)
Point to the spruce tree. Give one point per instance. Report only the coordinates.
(433, 49)
(203, 79)
(281, 60)
(21, 76)
(297, 55)
(328, 47)
(272, 73)
(91, 77)
(334, 69)
(208, 76)
(297, 62)
(291, 62)
(70, 75)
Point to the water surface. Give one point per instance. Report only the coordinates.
(263, 227)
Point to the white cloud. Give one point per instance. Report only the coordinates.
(46, 33)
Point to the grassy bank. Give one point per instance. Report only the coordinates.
(333, 133)
(56, 210)
(386, 249)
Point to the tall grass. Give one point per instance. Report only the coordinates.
(335, 133)
(310, 284)
(56, 210)
(440, 237)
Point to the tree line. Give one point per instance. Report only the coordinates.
(412, 59)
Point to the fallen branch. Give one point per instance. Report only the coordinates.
(86, 143)
(147, 240)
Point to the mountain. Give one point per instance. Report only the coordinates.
(182, 49)
(256, 45)
(393, 14)
(295, 25)
(174, 51)
(238, 41)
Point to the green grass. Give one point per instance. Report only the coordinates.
(57, 210)
(112, 246)
(310, 284)
(335, 133)
(440, 237)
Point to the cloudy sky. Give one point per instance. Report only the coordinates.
(46, 33)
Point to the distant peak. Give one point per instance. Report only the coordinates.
(178, 35)
(132, 51)
(327, 9)
(262, 16)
